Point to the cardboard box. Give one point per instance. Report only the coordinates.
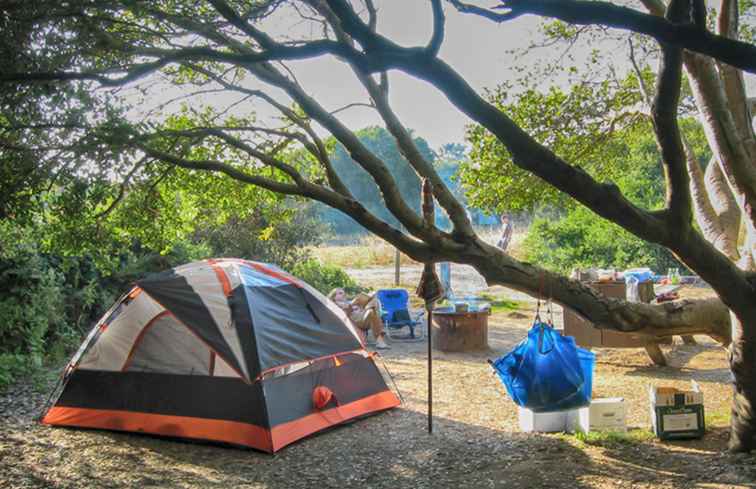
(677, 413)
(607, 414)
(549, 422)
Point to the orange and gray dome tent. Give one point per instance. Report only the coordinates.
(226, 350)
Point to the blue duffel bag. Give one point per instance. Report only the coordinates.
(547, 371)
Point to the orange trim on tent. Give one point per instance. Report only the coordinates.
(272, 273)
(161, 424)
(140, 336)
(312, 360)
(287, 433)
(134, 293)
(222, 277)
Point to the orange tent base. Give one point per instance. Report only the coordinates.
(233, 432)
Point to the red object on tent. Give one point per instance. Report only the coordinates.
(224, 350)
(321, 396)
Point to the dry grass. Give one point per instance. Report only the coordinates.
(372, 251)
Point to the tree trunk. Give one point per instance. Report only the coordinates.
(743, 365)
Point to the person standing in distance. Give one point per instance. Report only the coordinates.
(506, 233)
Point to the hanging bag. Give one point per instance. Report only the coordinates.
(547, 371)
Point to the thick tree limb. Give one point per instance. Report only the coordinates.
(664, 115)
(358, 152)
(688, 36)
(724, 204)
(605, 200)
(407, 146)
(706, 216)
(709, 316)
(438, 28)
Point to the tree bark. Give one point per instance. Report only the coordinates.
(725, 207)
(743, 366)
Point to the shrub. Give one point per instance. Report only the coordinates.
(281, 239)
(12, 365)
(581, 239)
(325, 277)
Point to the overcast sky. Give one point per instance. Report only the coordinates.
(474, 47)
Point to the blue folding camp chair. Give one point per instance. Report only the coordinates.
(395, 312)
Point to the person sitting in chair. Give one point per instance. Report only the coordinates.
(362, 311)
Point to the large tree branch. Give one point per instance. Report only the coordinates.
(679, 318)
(439, 22)
(604, 199)
(688, 36)
(723, 202)
(408, 148)
(707, 195)
(357, 151)
(664, 116)
(190, 54)
(412, 247)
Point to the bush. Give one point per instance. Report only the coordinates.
(325, 277)
(281, 238)
(32, 304)
(12, 366)
(582, 239)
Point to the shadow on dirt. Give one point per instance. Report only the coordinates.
(389, 450)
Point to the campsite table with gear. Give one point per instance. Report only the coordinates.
(460, 330)
(587, 336)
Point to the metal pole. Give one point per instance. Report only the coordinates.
(397, 266)
(430, 369)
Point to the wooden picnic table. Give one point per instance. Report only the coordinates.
(588, 336)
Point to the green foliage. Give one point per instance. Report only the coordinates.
(580, 126)
(12, 366)
(611, 439)
(584, 240)
(278, 235)
(578, 238)
(325, 277)
(32, 307)
(31, 304)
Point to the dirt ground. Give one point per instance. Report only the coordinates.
(476, 441)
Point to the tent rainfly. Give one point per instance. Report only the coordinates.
(225, 350)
